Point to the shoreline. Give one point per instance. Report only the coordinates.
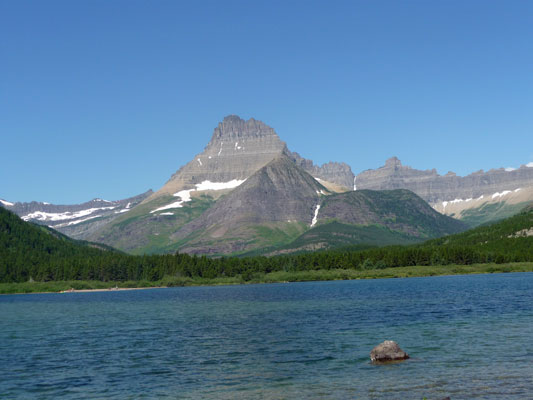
(65, 287)
(112, 289)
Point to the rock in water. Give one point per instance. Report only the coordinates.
(387, 351)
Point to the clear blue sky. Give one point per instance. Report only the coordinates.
(109, 98)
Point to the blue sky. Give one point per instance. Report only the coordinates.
(109, 98)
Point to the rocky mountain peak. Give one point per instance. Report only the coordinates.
(278, 193)
(237, 149)
(393, 162)
(334, 172)
(233, 127)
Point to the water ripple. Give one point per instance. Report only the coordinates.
(469, 338)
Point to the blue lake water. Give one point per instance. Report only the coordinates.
(469, 337)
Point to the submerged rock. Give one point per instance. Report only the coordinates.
(387, 351)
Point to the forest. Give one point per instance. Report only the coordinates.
(31, 252)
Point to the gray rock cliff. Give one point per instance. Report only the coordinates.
(236, 150)
(435, 188)
(280, 192)
(335, 172)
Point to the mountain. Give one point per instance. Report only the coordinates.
(236, 151)
(487, 209)
(274, 205)
(247, 192)
(77, 221)
(336, 176)
(368, 217)
(498, 235)
(281, 201)
(476, 198)
(31, 251)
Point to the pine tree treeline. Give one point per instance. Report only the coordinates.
(29, 252)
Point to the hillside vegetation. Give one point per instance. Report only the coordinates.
(30, 252)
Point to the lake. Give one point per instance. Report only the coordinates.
(468, 337)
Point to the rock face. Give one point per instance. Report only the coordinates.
(435, 188)
(334, 172)
(280, 193)
(400, 210)
(387, 351)
(78, 220)
(284, 197)
(236, 150)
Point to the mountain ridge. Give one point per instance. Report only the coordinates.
(77, 221)
(236, 150)
(435, 188)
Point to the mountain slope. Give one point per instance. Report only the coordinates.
(275, 204)
(435, 188)
(478, 198)
(371, 218)
(338, 174)
(500, 234)
(149, 226)
(77, 221)
(25, 247)
(400, 210)
(487, 209)
(236, 151)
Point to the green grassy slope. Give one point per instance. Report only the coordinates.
(332, 235)
(369, 218)
(400, 210)
(490, 213)
(496, 234)
(142, 232)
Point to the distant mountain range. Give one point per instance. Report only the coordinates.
(248, 193)
(78, 220)
(477, 198)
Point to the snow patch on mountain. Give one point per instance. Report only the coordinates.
(185, 195)
(44, 216)
(315, 217)
(493, 196)
(105, 201)
(78, 221)
(208, 185)
(501, 194)
(6, 203)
